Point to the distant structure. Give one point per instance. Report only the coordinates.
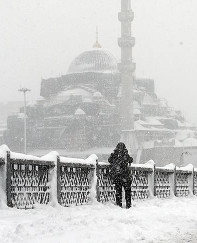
(78, 110)
(7, 109)
(127, 68)
(97, 103)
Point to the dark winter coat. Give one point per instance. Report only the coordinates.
(119, 161)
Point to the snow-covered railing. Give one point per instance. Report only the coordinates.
(184, 181)
(28, 180)
(164, 182)
(105, 187)
(141, 181)
(149, 181)
(140, 187)
(74, 181)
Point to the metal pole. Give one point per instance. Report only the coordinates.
(24, 90)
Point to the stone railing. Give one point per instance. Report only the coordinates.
(164, 181)
(27, 180)
(74, 179)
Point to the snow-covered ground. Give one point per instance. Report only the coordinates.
(156, 220)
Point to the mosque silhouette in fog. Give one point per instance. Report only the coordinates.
(84, 109)
(81, 110)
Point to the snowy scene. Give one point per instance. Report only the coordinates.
(82, 208)
(98, 134)
(162, 217)
(171, 220)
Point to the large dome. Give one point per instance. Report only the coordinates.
(96, 60)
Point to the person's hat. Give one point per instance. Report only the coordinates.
(120, 146)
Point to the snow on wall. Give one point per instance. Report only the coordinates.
(93, 160)
(48, 157)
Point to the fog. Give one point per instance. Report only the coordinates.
(39, 39)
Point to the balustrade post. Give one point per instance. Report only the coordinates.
(58, 180)
(174, 181)
(53, 196)
(191, 182)
(151, 182)
(194, 181)
(155, 183)
(97, 183)
(8, 180)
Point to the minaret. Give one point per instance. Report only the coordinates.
(127, 68)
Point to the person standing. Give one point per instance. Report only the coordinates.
(120, 173)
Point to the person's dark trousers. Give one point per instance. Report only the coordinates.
(127, 188)
(118, 188)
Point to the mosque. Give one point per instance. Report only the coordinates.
(82, 109)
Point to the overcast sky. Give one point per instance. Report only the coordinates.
(40, 38)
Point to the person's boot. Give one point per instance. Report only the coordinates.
(128, 205)
(118, 189)
(128, 197)
(118, 201)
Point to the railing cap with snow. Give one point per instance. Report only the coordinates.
(90, 161)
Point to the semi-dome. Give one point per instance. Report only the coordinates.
(96, 60)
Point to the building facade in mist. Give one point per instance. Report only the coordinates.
(82, 110)
(7, 109)
(95, 104)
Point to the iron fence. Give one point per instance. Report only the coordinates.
(29, 182)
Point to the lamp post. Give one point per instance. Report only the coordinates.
(24, 90)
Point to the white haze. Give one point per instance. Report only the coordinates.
(40, 38)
